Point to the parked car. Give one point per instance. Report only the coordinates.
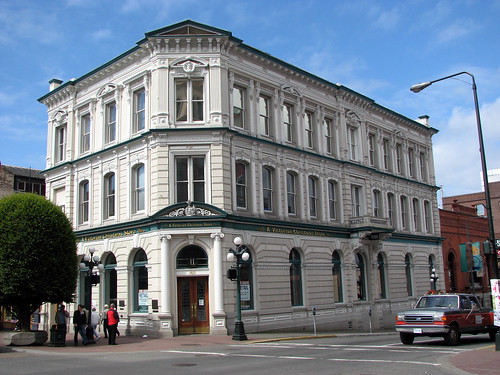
(446, 315)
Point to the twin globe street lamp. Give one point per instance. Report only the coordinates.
(434, 278)
(240, 253)
(419, 87)
(90, 261)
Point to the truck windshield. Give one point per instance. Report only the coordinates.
(437, 301)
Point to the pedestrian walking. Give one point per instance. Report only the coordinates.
(105, 321)
(94, 321)
(80, 324)
(113, 319)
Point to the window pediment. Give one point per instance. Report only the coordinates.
(188, 64)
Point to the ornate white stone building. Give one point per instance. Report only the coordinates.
(165, 154)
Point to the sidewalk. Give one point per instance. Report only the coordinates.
(484, 361)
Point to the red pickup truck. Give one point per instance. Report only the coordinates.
(446, 315)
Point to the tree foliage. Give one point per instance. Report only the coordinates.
(38, 261)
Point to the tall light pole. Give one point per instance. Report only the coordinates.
(419, 87)
(240, 253)
(90, 261)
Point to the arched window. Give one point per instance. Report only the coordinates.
(83, 202)
(295, 278)
(109, 195)
(110, 280)
(360, 277)
(192, 256)
(408, 272)
(241, 185)
(381, 275)
(246, 283)
(452, 269)
(140, 282)
(337, 277)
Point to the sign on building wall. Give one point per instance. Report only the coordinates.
(495, 296)
(143, 300)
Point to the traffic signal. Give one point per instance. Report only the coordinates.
(487, 248)
(231, 274)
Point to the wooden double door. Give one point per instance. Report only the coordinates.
(192, 297)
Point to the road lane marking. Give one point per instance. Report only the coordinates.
(383, 361)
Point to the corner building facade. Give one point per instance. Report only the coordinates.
(165, 154)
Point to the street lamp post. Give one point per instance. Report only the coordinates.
(419, 87)
(240, 253)
(434, 278)
(90, 261)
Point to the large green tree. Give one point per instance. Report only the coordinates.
(38, 261)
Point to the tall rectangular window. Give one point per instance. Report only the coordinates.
(399, 163)
(190, 178)
(139, 110)
(351, 141)
(404, 212)
(411, 162)
(189, 100)
(416, 215)
(85, 133)
(83, 201)
(332, 200)
(313, 199)
(390, 208)
(423, 164)
(267, 189)
(139, 188)
(110, 123)
(291, 193)
(109, 195)
(386, 154)
(309, 127)
(288, 122)
(329, 136)
(427, 217)
(264, 116)
(239, 107)
(356, 201)
(376, 203)
(371, 149)
(61, 143)
(241, 185)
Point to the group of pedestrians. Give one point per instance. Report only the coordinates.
(109, 319)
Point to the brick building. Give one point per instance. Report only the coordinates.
(464, 232)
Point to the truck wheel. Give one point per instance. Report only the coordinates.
(453, 336)
(406, 338)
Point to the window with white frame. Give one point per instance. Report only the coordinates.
(377, 212)
(267, 189)
(309, 127)
(139, 119)
(399, 155)
(85, 133)
(390, 208)
(356, 200)
(372, 154)
(190, 178)
(83, 202)
(288, 122)
(189, 100)
(404, 212)
(138, 188)
(386, 154)
(411, 162)
(291, 193)
(423, 166)
(329, 136)
(333, 200)
(416, 214)
(264, 116)
(110, 123)
(241, 185)
(427, 217)
(61, 134)
(239, 112)
(313, 198)
(352, 142)
(109, 195)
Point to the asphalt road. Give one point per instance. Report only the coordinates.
(337, 355)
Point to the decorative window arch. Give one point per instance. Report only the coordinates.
(192, 256)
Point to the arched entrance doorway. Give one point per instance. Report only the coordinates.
(192, 291)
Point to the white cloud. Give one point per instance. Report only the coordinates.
(456, 30)
(387, 20)
(102, 34)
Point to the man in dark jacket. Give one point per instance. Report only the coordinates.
(80, 323)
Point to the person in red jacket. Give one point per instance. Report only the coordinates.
(113, 319)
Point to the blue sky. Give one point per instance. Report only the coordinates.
(377, 48)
